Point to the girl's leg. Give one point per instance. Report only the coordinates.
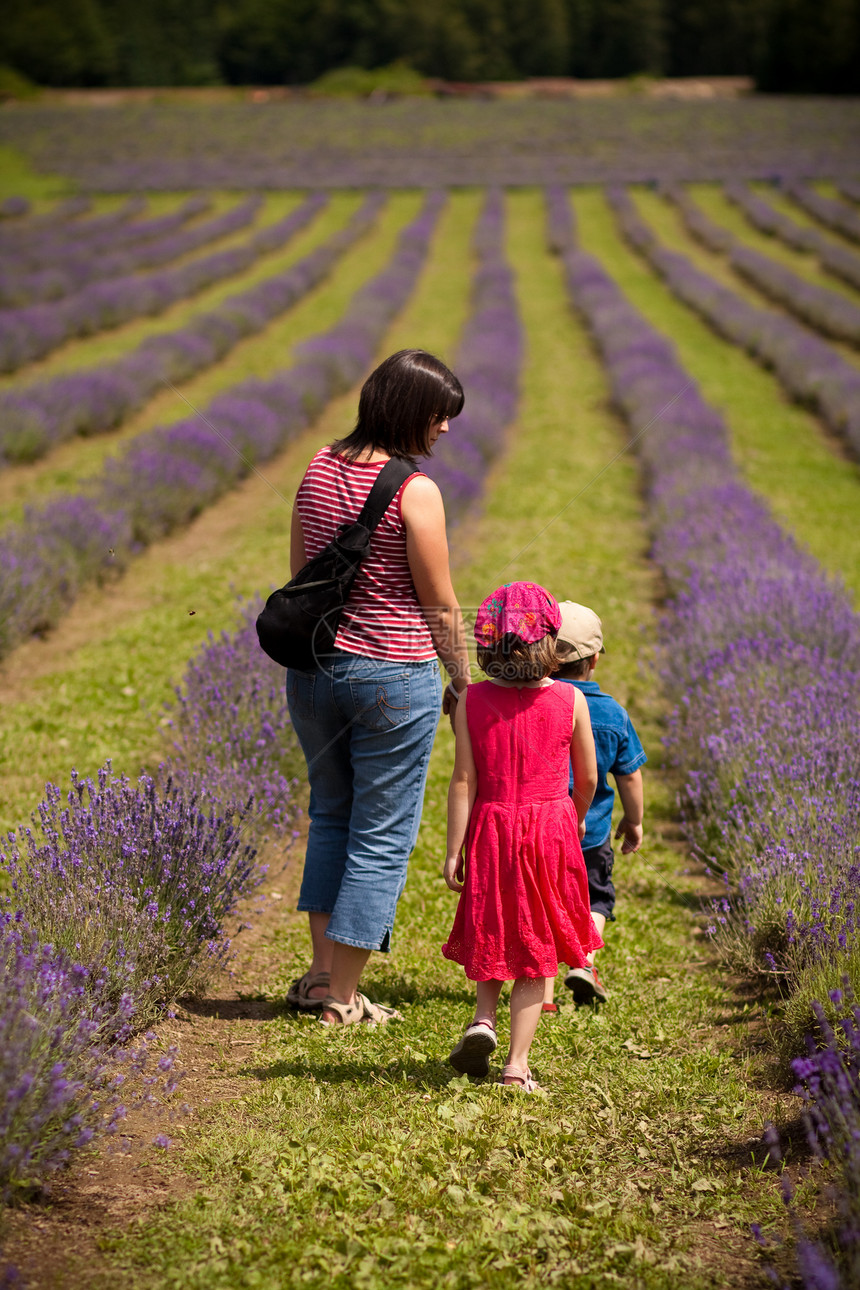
(471, 1054)
(487, 1000)
(526, 1000)
(599, 921)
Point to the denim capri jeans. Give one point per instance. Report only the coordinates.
(366, 727)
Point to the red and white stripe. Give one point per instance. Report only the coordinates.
(382, 617)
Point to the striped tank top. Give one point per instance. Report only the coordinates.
(382, 617)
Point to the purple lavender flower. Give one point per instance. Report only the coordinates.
(57, 1057)
(488, 362)
(137, 881)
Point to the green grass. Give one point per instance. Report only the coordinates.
(354, 1158)
(783, 452)
(18, 178)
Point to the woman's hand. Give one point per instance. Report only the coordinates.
(454, 872)
(450, 699)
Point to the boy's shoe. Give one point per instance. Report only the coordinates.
(585, 985)
(471, 1056)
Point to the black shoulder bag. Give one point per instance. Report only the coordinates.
(299, 622)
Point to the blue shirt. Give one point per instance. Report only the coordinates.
(619, 752)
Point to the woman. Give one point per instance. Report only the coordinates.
(366, 716)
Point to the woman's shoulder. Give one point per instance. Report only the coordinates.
(419, 494)
(322, 457)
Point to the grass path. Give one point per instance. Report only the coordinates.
(353, 1158)
(784, 452)
(96, 687)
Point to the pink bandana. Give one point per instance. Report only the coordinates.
(522, 608)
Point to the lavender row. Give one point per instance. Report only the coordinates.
(119, 900)
(835, 214)
(87, 402)
(836, 259)
(850, 188)
(488, 362)
(766, 726)
(14, 207)
(829, 1082)
(167, 475)
(767, 219)
(69, 261)
(424, 143)
(812, 372)
(33, 331)
(560, 227)
(39, 233)
(60, 236)
(60, 1068)
(832, 314)
(828, 311)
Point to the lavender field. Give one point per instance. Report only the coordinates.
(176, 342)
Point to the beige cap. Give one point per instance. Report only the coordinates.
(581, 628)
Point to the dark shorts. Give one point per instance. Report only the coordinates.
(601, 892)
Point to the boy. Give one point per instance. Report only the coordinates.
(620, 754)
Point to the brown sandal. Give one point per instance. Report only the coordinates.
(348, 1014)
(299, 993)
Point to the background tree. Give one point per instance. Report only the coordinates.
(58, 42)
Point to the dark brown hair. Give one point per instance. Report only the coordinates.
(513, 659)
(398, 404)
(570, 664)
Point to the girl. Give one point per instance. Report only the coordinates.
(524, 889)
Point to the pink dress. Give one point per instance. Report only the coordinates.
(524, 907)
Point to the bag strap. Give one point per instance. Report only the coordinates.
(386, 486)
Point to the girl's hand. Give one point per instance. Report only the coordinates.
(453, 872)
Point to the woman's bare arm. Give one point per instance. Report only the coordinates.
(427, 552)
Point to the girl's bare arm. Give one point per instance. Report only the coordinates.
(583, 759)
(461, 798)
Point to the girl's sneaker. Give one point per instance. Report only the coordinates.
(585, 985)
(471, 1056)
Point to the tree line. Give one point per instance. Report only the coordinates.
(805, 46)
